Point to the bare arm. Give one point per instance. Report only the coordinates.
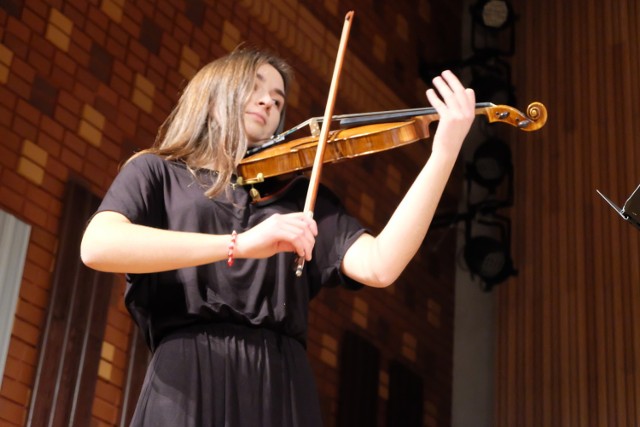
(378, 261)
(112, 243)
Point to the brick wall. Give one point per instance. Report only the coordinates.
(85, 83)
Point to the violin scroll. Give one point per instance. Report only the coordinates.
(535, 118)
(538, 113)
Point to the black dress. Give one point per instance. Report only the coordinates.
(228, 342)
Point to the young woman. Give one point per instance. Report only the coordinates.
(209, 274)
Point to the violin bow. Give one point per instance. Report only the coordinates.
(314, 180)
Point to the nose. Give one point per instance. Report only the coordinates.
(266, 100)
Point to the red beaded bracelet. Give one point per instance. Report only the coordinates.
(232, 247)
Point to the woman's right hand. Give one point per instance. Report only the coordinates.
(113, 244)
(294, 232)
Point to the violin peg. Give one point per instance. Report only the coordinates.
(255, 194)
(523, 124)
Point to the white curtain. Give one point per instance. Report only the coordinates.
(14, 239)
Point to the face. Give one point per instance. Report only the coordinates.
(262, 112)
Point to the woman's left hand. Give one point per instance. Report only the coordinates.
(455, 105)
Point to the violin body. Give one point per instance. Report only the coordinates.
(343, 144)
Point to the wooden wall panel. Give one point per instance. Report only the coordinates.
(568, 339)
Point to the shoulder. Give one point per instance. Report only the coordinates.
(146, 160)
(151, 165)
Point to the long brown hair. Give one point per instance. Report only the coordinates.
(206, 128)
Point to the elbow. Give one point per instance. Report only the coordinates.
(366, 263)
(379, 277)
(383, 279)
(88, 255)
(92, 254)
(97, 242)
(383, 272)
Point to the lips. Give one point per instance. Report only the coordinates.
(259, 116)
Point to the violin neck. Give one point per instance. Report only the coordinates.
(350, 120)
(361, 119)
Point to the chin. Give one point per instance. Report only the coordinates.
(255, 140)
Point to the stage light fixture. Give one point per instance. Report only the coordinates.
(489, 259)
(492, 27)
(493, 14)
(491, 164)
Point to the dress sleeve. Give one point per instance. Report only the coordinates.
(137, 192)
(337, 231)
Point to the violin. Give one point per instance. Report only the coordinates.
(364, 134)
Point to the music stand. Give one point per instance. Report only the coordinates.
(631, 209)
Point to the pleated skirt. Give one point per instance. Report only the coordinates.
(228, 375)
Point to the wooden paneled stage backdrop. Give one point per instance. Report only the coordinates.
(568, 343)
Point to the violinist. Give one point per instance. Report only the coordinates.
(210, 275)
